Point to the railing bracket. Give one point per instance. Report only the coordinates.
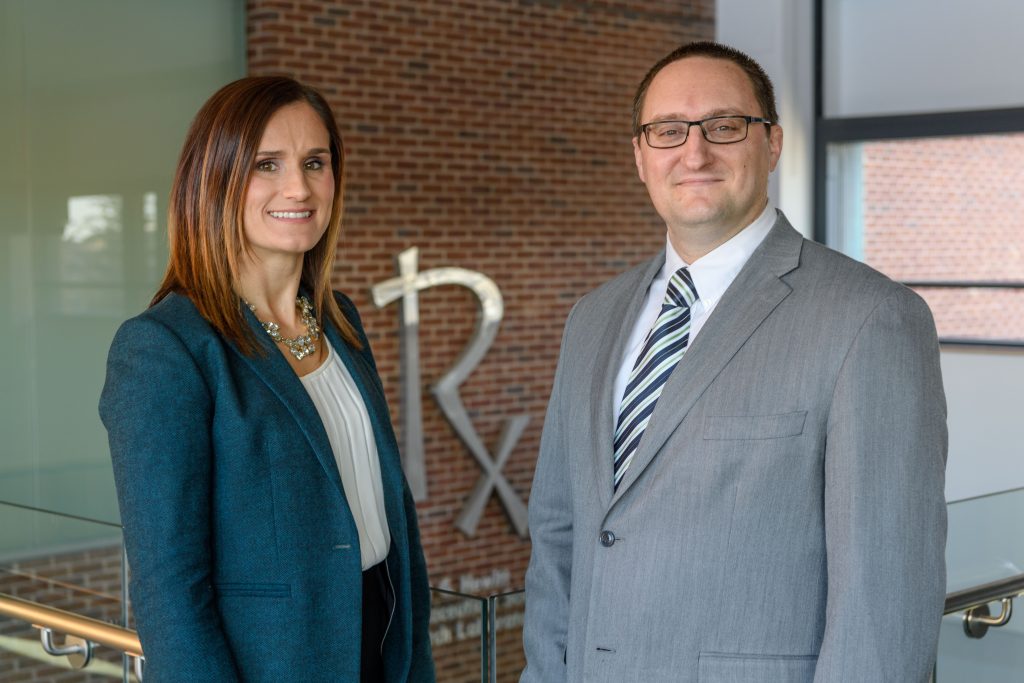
(979, 619)
(77, 650)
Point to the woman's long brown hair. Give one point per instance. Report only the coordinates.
(205, 221)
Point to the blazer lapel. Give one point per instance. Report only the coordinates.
(275, 372)
(373, 397)
(626, 309)
(752, 296)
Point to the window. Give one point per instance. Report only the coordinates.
(920, 130)
(944, 215)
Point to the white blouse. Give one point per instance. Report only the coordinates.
(348, 428)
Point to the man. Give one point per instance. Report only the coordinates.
(741, 471)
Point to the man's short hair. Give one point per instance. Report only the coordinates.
(763, 90)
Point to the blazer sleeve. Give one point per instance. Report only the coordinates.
(421, 667)
(546, 621)
(885, 512)
(157, 410)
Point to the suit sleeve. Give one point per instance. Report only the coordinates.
(157, 410)
(545, 628)
(885, 512)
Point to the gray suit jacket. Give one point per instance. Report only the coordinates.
(783, 519)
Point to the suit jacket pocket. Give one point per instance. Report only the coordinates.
(726, 427)
(714, 667)
(253, 590)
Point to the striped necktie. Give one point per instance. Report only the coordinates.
(665, 345)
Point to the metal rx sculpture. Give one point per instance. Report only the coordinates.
(490, 307)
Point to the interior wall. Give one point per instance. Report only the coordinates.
(986, 428)
(778, 34)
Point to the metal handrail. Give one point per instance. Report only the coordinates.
(62, 621)
(126, 640)
(973, 602)
(977, 596)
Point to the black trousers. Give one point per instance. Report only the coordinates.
(377, 601)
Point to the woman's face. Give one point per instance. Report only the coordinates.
(289, 198)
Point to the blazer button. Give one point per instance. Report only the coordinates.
(607, 538)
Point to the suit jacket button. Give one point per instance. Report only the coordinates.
(607, 538)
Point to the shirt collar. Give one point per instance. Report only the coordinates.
(714, 272)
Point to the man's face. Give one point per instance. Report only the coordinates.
(706, 193)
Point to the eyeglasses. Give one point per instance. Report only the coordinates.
(720, 130)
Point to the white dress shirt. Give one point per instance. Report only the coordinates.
(712, 274)
(350, 433)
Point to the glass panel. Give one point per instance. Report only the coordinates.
(22, 659)
(999, 656)
(938, 209)
(94, 141)
(69, 563)
(510, 660)
(456, 635)
(984, 545)
(985, 540)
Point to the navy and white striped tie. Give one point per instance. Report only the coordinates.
(665, 345)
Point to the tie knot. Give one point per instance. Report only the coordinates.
(681, 291)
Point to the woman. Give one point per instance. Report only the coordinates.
(269, 530)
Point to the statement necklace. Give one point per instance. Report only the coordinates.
(303, 345)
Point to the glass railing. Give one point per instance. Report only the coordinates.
(74, 567)
(65, 563)
(507, 656)
(477, 637)
(985, 546)
(76, 564)
(458, 635)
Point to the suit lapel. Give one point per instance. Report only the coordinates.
(275, 372)
(607, 362)
(751, 298)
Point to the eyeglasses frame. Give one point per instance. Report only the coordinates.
(645, 128)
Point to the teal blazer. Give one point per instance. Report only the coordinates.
(244, 556)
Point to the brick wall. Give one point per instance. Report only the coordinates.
(495, 136)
